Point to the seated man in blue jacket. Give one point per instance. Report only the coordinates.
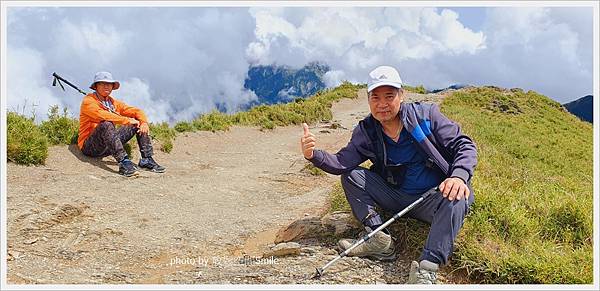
(413, 148)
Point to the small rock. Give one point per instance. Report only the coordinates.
(309, 250)
(31, 241)
(283, 249)
(15, 254)
(329, 252)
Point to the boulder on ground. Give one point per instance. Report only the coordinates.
(337, 224)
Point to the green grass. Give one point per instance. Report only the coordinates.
(532, 217)
(310, 169)
(26, 144)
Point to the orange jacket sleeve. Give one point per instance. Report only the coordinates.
(93, 110)
(130, 111)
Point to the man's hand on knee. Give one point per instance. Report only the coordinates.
(454, 188)
(143, 128)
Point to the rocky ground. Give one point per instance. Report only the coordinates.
(221, 214)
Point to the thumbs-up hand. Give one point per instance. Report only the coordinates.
(307, 142)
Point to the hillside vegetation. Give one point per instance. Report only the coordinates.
(532, 219)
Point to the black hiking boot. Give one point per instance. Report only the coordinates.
(127, 168)
(150, 164)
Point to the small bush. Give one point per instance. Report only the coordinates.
(213, 121)
(26, 144)
(164, 134)
(419, 89)
(60, 129)
(183, 126)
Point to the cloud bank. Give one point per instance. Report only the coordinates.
(176, 63)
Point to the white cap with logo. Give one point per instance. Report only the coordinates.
(384, 76)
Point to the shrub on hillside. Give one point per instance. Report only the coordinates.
(26, 144)
(213, 121)
(59, 128)
(184, 126)
(164, 134)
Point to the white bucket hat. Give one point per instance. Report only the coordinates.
(384, 76)
(105, 77)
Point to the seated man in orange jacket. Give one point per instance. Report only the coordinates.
(98, 136)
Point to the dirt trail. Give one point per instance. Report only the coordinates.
(221, 201)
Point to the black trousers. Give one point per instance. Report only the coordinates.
(108, 140)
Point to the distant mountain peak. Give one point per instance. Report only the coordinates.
(274, 84)
(582, 108)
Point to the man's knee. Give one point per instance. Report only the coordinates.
(106, 125)
(354, 178)
(455, 207)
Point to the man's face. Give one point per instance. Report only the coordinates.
(384, 103)
(104, 88)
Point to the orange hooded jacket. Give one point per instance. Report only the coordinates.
(92, 112)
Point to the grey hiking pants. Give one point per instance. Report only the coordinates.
(107, 140)
(366, 190)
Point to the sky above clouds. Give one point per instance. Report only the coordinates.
(178, 62)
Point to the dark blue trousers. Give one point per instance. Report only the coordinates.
(366, 190)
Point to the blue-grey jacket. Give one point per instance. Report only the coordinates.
(438, 137)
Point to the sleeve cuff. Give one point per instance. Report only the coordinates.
(461, 173)
(317, 158)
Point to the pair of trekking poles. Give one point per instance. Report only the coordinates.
(319, 271)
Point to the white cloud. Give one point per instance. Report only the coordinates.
(177, 63)
(136, 92)
(100, 41)
(26, 84)
(334, 78)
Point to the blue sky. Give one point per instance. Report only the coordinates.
(470, 17)
(178, 62)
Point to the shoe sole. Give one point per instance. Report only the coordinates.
(130, 175)
(389, 258)
(153, 171)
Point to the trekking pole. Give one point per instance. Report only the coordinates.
(58, 78)
(365, 238)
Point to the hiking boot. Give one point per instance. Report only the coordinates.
(127, 168)
(379, 247)
(151, 165)
(423, 273)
